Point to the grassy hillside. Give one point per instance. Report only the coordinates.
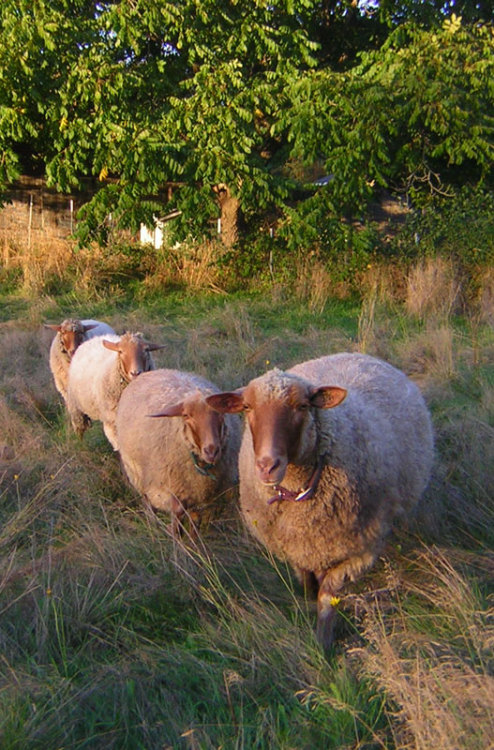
(114, 636)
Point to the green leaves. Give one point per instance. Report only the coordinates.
(421, 105)
(163, 99)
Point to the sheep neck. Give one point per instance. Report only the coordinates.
(304, 493)
(201, 466)
(124, 379)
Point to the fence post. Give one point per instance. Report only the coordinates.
(30, 221)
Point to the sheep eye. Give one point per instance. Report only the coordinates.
(303, 407)
(246, 407)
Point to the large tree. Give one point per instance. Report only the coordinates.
(415, 116)
(218, 107)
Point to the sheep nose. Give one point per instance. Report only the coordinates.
(134, 373)
(266, 466)
(210, 452)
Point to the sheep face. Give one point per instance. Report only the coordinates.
(280, 414)
(133, 355)
(71, 334)
(72, 338)
(204, 428)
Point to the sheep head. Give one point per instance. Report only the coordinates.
(134, 354)
(204, 427)
(280, 413)
(71, 333)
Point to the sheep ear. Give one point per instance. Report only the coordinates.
(113, 345)
(89, 327)
(226, 403)
(53, 326)
(176, 410)
(328, 396)
(155, 347)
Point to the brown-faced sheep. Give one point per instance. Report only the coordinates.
(69, 335)
(346, 473)
(180, 454)
(99, 371)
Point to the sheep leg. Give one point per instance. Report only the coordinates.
(149, 510)
(330, 582)
(194, 524)
(308, 581)
(178, 528)
(178, 514)
(111, 434)
(80, 422)
(325, 616)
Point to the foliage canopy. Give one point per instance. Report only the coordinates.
(160, 102)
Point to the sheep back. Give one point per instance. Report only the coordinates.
(153, 451)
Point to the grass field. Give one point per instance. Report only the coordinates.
(114, 636)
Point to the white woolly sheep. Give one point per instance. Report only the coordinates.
(176, 451)
(69, 335)
(99, 371)
(346, 473)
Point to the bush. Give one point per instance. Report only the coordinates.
(458, 227)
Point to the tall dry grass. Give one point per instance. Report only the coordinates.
(196, 266)
(96, 270)
(432, 655)
(314, 283)
(433, 288)
(39, 264)
(485, 298)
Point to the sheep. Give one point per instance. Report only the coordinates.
(99, 371)
(69, 335)
(346, 473)
(178, 453)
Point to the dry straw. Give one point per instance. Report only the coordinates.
(38, 263)
(433, 288)
(313, 284)
(195, 266)
(434, 663)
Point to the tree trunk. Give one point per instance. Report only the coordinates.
(230, 207)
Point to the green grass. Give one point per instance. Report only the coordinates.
(114, 636)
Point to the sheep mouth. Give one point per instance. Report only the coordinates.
(272, 482)
(202, 467)
(305, 492)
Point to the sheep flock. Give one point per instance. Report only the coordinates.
(331, 451)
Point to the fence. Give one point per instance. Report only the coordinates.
(36, 215)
